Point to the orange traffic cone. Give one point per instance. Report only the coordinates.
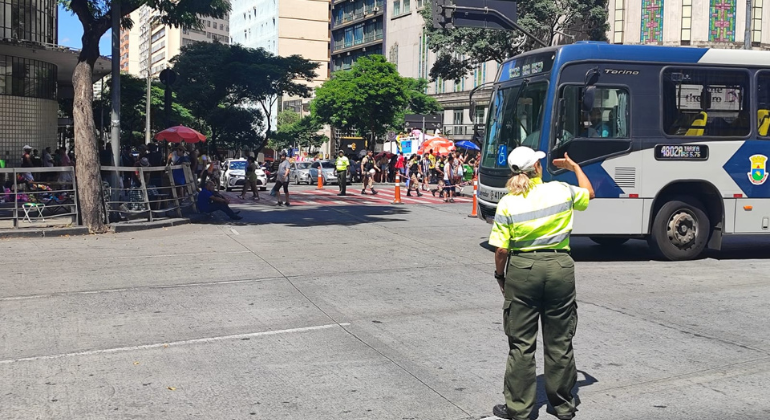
(474, 213)
(397, 193)
(320, 180)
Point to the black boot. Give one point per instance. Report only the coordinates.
(409, 193)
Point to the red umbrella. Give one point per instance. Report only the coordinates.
(180, 134)
(440, 146)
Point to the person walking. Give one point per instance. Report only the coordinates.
(531, 233)
(415, 172)
(342, 163)
(282, 180)
(251, 180)
(368, 170)
(449, 179)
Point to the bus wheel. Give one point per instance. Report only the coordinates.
(609, 241)
(680, 230)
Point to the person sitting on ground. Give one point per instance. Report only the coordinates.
(209, 201)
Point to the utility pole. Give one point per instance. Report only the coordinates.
(115, 88)
(747, 34)
(148, 108)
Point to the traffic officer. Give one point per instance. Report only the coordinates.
(531, 232)
(342, 165)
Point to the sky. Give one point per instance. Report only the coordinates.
(70, 32)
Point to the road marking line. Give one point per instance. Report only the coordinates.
(235, 232)
(172, 343)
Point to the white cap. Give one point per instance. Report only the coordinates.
(27, 147)
(523, 158)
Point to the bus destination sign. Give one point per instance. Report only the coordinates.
(681, 152)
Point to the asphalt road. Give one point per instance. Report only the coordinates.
(353, 312)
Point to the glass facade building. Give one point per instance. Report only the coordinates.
(29, 20)
(357, 30)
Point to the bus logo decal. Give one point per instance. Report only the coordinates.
(758, 174)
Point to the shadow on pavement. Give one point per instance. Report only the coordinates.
(344, 215)
(543, 400)
(733, 248)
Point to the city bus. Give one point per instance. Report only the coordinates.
(674, 140)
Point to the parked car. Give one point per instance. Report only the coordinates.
(299, 172)
(234, 175)
(328, 171)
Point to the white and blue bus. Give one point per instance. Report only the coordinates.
(674, 140)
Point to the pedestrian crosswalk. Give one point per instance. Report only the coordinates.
(328, 196)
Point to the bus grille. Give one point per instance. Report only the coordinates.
(625, 177)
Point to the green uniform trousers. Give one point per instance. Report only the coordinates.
(540, 285)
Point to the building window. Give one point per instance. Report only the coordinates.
(652, 21)
(479, 117)
(686, 22)
(420, 4)
(620, 11)
(756, 22)
(27, 78)
(396, 8)
(722, 21)
(406, 7)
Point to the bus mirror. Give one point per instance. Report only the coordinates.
(588, 98)
(472, 110)
(592, 76)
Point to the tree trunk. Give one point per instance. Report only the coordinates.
(86, 151)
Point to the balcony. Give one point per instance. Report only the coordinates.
(460, 131)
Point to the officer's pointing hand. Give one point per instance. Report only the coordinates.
(565, 163)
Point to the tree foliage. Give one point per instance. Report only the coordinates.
(370, 98)
(133, 94)
(460, 50)
(294, 129)
(231, 85)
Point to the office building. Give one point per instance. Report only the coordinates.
(358, 29)
(285, 28)
(35, 73)
(714, 23)
(162, 42)
(407, 48)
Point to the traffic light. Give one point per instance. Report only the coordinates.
(442, 14)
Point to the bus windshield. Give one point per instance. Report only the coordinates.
(515, 119)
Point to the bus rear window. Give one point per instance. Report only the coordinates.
(706, 102)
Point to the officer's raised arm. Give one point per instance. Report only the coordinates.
(570, 165)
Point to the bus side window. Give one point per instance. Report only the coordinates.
(706, 102)
(763, 102)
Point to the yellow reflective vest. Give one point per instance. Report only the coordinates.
(539, 219)
(342, 163)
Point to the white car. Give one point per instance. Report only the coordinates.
(234, 175)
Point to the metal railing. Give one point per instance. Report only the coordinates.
(38, 197)
(153, 193)
(47, 197)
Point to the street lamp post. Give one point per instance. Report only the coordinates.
(148, 107)
(115, 117)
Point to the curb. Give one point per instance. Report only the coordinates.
(135, 227)
(78, 231)
(44, 233)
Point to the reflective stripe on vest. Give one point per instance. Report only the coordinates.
(539, 219)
